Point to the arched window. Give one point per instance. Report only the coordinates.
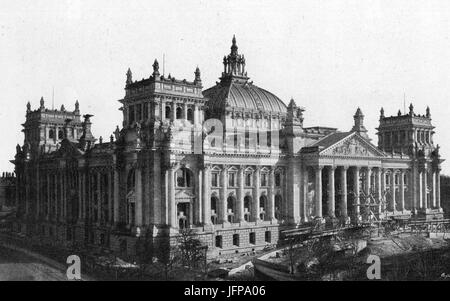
(179, 113)
(278, 206)
(262, 207)
(51, 134)
(183, 177)
(168, 111)
(231, 202)
(190, 115)
(247, 207)
(214, 206)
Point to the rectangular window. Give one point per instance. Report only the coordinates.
(248, 179)
(236, 240)
(268, 236)
(252, 238)
(219, 241)
(264, 179)
(214, 179)
(277, 179)
(232, 179)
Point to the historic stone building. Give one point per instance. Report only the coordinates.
(7, 190)
(231, 162)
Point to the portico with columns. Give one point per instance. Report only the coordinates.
(353, 178)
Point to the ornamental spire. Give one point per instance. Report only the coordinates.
(234, 47)
(234, 64)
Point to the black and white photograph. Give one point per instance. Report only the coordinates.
(224, 142)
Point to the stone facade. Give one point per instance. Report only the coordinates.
(7, 190)
(233, 163)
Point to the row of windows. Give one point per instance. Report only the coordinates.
(139, 112)
(184, 176)
(179, 113)
(52, 133)
(248, 204)
(237, 242)
(248, 179)
(401, 137)
(250, 141)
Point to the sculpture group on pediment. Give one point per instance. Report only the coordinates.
(350, 147)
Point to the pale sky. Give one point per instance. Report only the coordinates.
(330, 56)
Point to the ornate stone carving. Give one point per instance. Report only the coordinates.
(351, 147)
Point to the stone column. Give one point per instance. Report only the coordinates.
(185, 108)
(438, 189)
(85, 198)
(393, 205)
(424, 187)
(80, 195)
(379, 188)
(368, 191)
(38, 193)
(206, 195)
(99, 197)
(331, 192)
(110, 188)
(356, 190)
(196, 115)
(138, 199)
(318, 190)
(116, 196)
(198, 198)
(56, 197)
(47, 213)
(402, 190)
(173, 112)
(421, 206)
(304, 214)
(256, 194)
(240, 195)
(223, 197)
(271, 195)
(344, 212)
(433, 175)
(171, 205)
(163, 110)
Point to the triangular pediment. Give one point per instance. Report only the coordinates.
(184, 194)
(352, 146)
